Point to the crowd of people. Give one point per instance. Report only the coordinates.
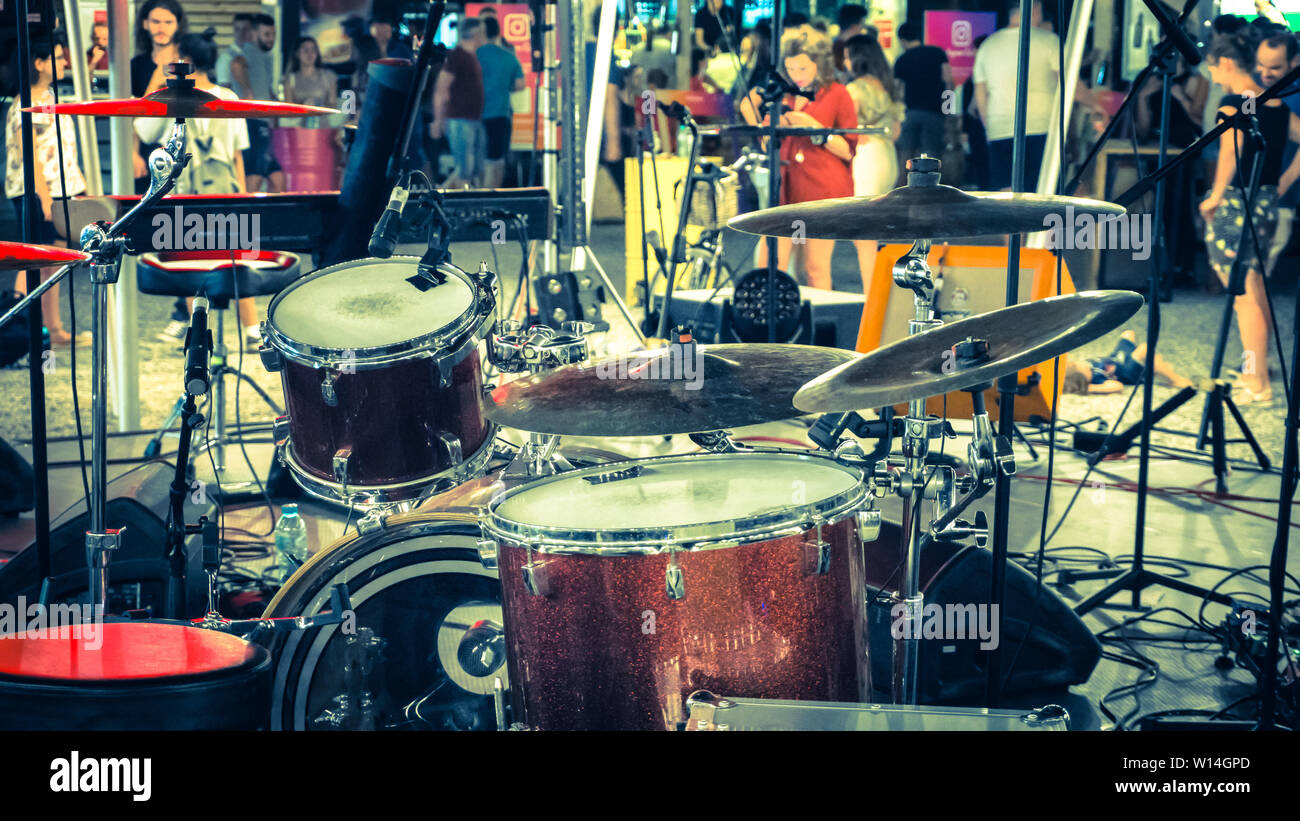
(843, 79)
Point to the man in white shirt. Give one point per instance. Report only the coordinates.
(996, 65)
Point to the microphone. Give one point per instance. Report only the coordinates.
(1174, 33)
(676, 110)
(198, 345)
(384, 238)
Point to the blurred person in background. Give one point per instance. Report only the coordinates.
(458, 106)
(97, 54)
(159, 25)
(813, 168)
(502, 76)
(852, 21)
(243, 27)
(1277, 54)
(875, 162)
(49, 196)
(253, 70)
(924, 76)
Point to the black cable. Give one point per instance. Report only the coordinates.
(1088, 472)
(239, 369)
(67, 234)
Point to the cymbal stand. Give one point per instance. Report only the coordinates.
(540, 348)
(106, 243)
(910, 478)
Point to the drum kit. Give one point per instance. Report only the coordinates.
(536, 586)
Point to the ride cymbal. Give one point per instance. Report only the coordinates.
(914, 212)
(662, 391)
(926, 364)
(18, 256)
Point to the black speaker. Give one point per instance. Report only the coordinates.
(137, 570)
(1057, 652)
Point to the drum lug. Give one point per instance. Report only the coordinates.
(271, 359)
(487, 553)
(342, 457)
(817, 555)
(869, 522)
(451, 447)
(372, 521)
(280, 430)
(535, 578)
(443, 373)
(327, 391)
(674, 579)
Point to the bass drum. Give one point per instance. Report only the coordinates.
(426, 643)
(417, 590)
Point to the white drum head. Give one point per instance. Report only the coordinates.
(682, 495)
(369, 303)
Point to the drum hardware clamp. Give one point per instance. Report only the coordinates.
(674, 578)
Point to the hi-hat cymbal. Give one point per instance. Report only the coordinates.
(650, 393)
(187, 103)
(914, 212)
(925, 365)
(18, 256)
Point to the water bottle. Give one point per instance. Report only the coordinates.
(684, 138)
(290, 540)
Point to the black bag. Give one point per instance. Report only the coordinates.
(13, 336)
(17, 490)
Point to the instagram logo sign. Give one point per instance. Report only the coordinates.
(515, 27)
(961, 34)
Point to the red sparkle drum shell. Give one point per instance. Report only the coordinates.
(381, 369)
(598, 643)
(133, 676)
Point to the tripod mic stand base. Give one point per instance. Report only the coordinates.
(1138, 579)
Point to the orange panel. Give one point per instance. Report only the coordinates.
(1037, 399)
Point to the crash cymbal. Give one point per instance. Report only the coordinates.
(912, 212)
(926, 365)
(651, 393)
(18, 256)
(184, 102)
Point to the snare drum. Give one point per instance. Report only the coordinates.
(626, 587)
(382, 379)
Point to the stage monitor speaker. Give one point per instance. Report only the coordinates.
(1049, 643)
(971, 280)
(833, 321)
(137, 571)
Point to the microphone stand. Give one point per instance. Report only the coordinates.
(774, 172)
(177, 529)
(643, 135)
(679, 241)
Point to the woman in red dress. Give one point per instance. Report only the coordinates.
(812, 168)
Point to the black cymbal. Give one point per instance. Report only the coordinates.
(655, 393)
(925, 365)
(914, 212)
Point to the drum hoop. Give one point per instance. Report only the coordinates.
(719, 534)
(417, 490)
(465, 331)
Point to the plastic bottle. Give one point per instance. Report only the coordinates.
(290, 540)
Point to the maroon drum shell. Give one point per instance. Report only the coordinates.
(389, 415)
(607, 649)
